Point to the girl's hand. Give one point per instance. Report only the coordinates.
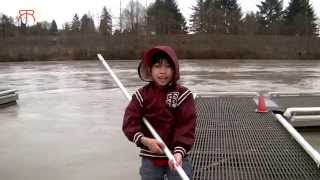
(153, 145)
(178, 158)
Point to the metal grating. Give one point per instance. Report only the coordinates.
(233, 142)
(297, 101)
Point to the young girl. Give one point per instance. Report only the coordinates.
(170, 109)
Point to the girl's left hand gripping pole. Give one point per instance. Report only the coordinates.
(168, 153)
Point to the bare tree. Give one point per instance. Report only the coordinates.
(250, 25)
(134, 17)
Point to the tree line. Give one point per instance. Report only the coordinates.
(164, 17)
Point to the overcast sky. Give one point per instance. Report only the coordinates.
(63, 10)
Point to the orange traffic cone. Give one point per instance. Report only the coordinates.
(261, 105)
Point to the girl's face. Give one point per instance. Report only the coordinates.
(162, 72)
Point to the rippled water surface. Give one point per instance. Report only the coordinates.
(67, 123)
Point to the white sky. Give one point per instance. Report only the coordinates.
(63, 10)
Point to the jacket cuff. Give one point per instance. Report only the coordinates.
(180, 150)
(137, 137)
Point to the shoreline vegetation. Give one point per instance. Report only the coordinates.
(196, 46)
(220, 31)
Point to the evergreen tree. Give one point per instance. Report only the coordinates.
(75, 24)
(178, 23)
(53, 27)
(41, 28)
(164, 17)
(105, 27)
(270, 16)
(214, 16)
(87, 24)
(7, 27)
(219, 16)
(155, 17)
(300, 19)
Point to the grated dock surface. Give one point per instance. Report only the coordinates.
(233, 142)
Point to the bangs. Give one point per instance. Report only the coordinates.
(161, 57)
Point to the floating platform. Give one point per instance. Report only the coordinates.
(8, 96)
(305, 107)
(235, 142)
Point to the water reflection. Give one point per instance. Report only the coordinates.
(198, 75)
(75, 109)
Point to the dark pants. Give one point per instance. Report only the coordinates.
(148, 171)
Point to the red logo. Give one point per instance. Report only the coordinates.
(24, 14)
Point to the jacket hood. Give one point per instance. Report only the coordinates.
(145, 64)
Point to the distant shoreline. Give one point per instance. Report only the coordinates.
(200, 46)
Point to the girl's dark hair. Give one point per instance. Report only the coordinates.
(161, 55)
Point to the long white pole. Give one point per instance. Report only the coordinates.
(305, 145)
(168, 153)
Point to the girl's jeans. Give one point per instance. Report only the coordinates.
(148, 171)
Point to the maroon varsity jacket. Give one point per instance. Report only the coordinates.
(171, 111)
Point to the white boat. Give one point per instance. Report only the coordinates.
(8, 96)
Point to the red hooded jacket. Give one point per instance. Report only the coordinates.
(171, 110)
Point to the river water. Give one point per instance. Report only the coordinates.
(67, 122)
